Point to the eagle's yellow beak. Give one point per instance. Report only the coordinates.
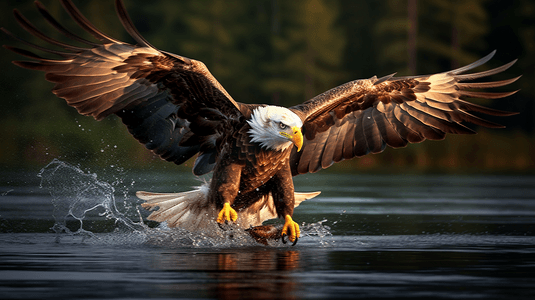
(297, 137)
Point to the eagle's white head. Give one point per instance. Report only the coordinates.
(275, 128)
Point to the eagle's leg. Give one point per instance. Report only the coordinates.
(284, 199)
(291, 229)
(227, 214)
(224, 188)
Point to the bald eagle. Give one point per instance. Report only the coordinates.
(177, 109)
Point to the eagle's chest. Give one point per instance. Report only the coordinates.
(258, 164)
(263, 167)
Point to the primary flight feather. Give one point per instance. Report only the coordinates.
(177, 109)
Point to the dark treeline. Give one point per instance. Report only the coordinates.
(285, 52)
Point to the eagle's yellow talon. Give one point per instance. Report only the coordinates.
(291, 229)
(227, 214)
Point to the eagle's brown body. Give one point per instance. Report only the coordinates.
(246, 173)
(174, 106)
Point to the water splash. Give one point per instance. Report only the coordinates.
(178, 237)
(75, 194)
(318, 231)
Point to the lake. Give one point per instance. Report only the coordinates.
(365, 236)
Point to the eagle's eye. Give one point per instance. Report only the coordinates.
(282, 125)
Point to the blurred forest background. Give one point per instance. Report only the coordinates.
(285, 52)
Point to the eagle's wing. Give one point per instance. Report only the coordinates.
(363, 116)
(170, 103)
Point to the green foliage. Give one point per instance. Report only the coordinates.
(282, 52)
(307, 51)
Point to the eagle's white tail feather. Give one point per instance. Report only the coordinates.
(300, 197)
(192, 211)
(185, 210)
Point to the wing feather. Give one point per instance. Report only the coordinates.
(80, 19)
(371, 132)
(363, 116)
(331, 144)
(348, 146)
(338, 149)
(388, 133)
(431, 120)
(360, 145)
(416, 125)
(48, 17)
(404, 131)
(162, 98)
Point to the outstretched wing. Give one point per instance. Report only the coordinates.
(170, 103)
(363, 116)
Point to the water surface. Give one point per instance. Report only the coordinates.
(470, 237)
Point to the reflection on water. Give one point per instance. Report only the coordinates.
(260, 274)
(33, 266)
(364, 236)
